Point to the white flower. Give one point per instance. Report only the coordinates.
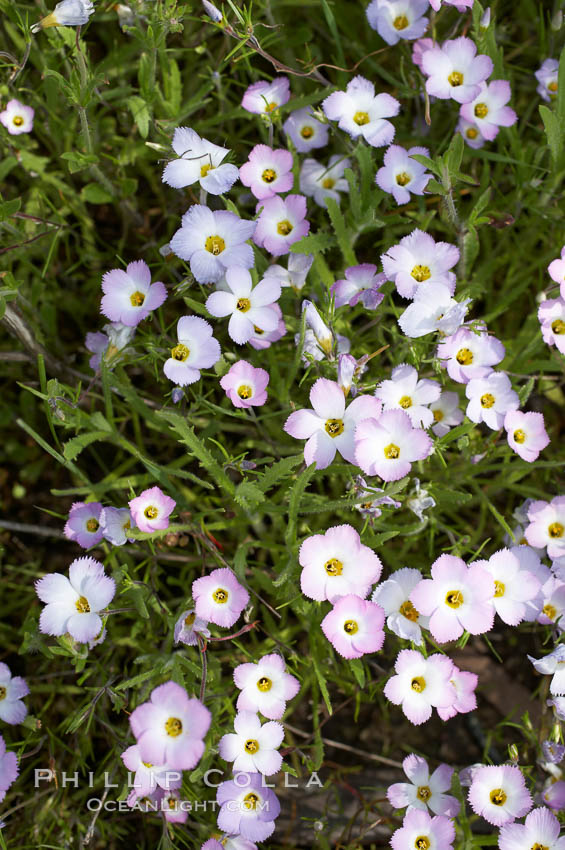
(321, 182)
(433, 309)
(362, 113)
(396, 19)
(314, 321)
(199, 161)
(253, 748)
(513, 585)
(295, 275)
(553, 665)
(68, 13)
(247, 306)
(446, 413)
(17, 118)
(490, 399)
(394, 596)
(12, 689)
(406, 392)
(305, 131)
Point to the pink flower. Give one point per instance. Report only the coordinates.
(253, 748)
(17, 118)
(526, 434)
(420, 683)
(248, 807)
(148, 777)
(245, 385)
(499, 794)
(362, 113)
(83, 524)
(551, 315)
(465, 700)
(554, 795)
(247, 306)
(219, 598)
(556, 270)
(513, 585)
(8, 768)
(74, 603)
(337, 564)
(129, 296)
(472, 136)
(389, 445)
(424, 791)
(420, 829)
(457, 597)
(418, 259)
(361, 284)
(265, 686)
(397, 19)
(547, 526)
(305, 131)
(329, 426)
(188, 627)
(281, 223)
(419, 48)
(263, 339)
(446, 413)
(321, 182)
(404, 391)
(170, 728)
(393, 595)
(490, 399)
(267, 172)
(541, 829)
(354, 627)
(468, 354)
(263, 98)
(455, 71)
(196, 349)
(170, 805)
(401, 175)
(547, 77)
(12, 691)
(151, 510)
(553, 665)
(488, 110)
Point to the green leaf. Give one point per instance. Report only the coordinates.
(248, 495)
(93, 193)
(140, 114)
(135, 680)
(344, 237)
(8, 208)
(553, 132)
(313, 243)
(358, 671)
(322, 681)
(75, 445)
(79, 161)
(278, 472)
(296, 494)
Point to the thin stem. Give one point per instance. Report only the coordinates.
(202, 647)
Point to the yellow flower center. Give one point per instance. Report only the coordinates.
(464, 357)
(550, 611)
(498, 797)
(438, 414)
(422, 843)
(418, 684)
(520, 436)
(269, 175)
(250, 801)
(552, 86)
(3, 692)
(172, 803)
(205, 169)
(270, 106)
(538, 846)
(487, 400)
(220, 596)
(251, 746)
(350, 627)
(408, 610)
(137, 299)
(472, 132)
(147, 764)
(333, 567)
(499, 589)
(284, 227)
(558, 327)
(421, 273)
(188, 621)
(17, 120)
(82, 605)
(334, 427)
(258, 331)
(215, 245)
(173, 727)
(244, 391)
(400, 22)
(180, 352)
(423, 793)
(361, 118)
(481, 110)
(391, 451)
(151, 512)
(454, 598)
(264, 684)
(556, 530)
(403, 178)
(328, 183)
(243, 305)
(307, 132)
(405, 402)
(455, 78)
(92, 525)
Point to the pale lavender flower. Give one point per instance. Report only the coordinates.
(393, 595)
(424, 791)
(245, 385)
(455, 71)
(488, 110)
(219, 598)
(371, 506)
(471, 133)
(320, 330)
(320, 182)
(361, 284)
(420, 829)
(313, 348)
(354, 626)
(418, 259)
(129, 296)
(305, 131)
(247, 808)
(298, 266)
(116, 523)
(189, 626)
(460, 5)
(247, 306)
(83, 524)
(420, 501)
(433, 309)
(17, 118)
(526, 434)
(554, 796)
(540, 830)
(420, 684)
(213, 242)
(346, 369)
(553, 665)
(263, 339)
(362, 113)
(547, 76)
(490, 399)
(212, 12)
(404, 391)
(8, 768)
(281, 223)
(464, 684)
(556, 271)
(336, 564)
(196, 349)
(551, 315)
(265, 686)
(151, 510)
(12, 691)
(148, 777)
(388, 445)
(398, 19)
(67, 13)
(499, 794)
(552, 751)
(419, 48)
(469, 354)
(401, 175)
(253, 747)
(514, 585)
(199, 161)
(446, 413)
(267, 172)
(263, 98)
